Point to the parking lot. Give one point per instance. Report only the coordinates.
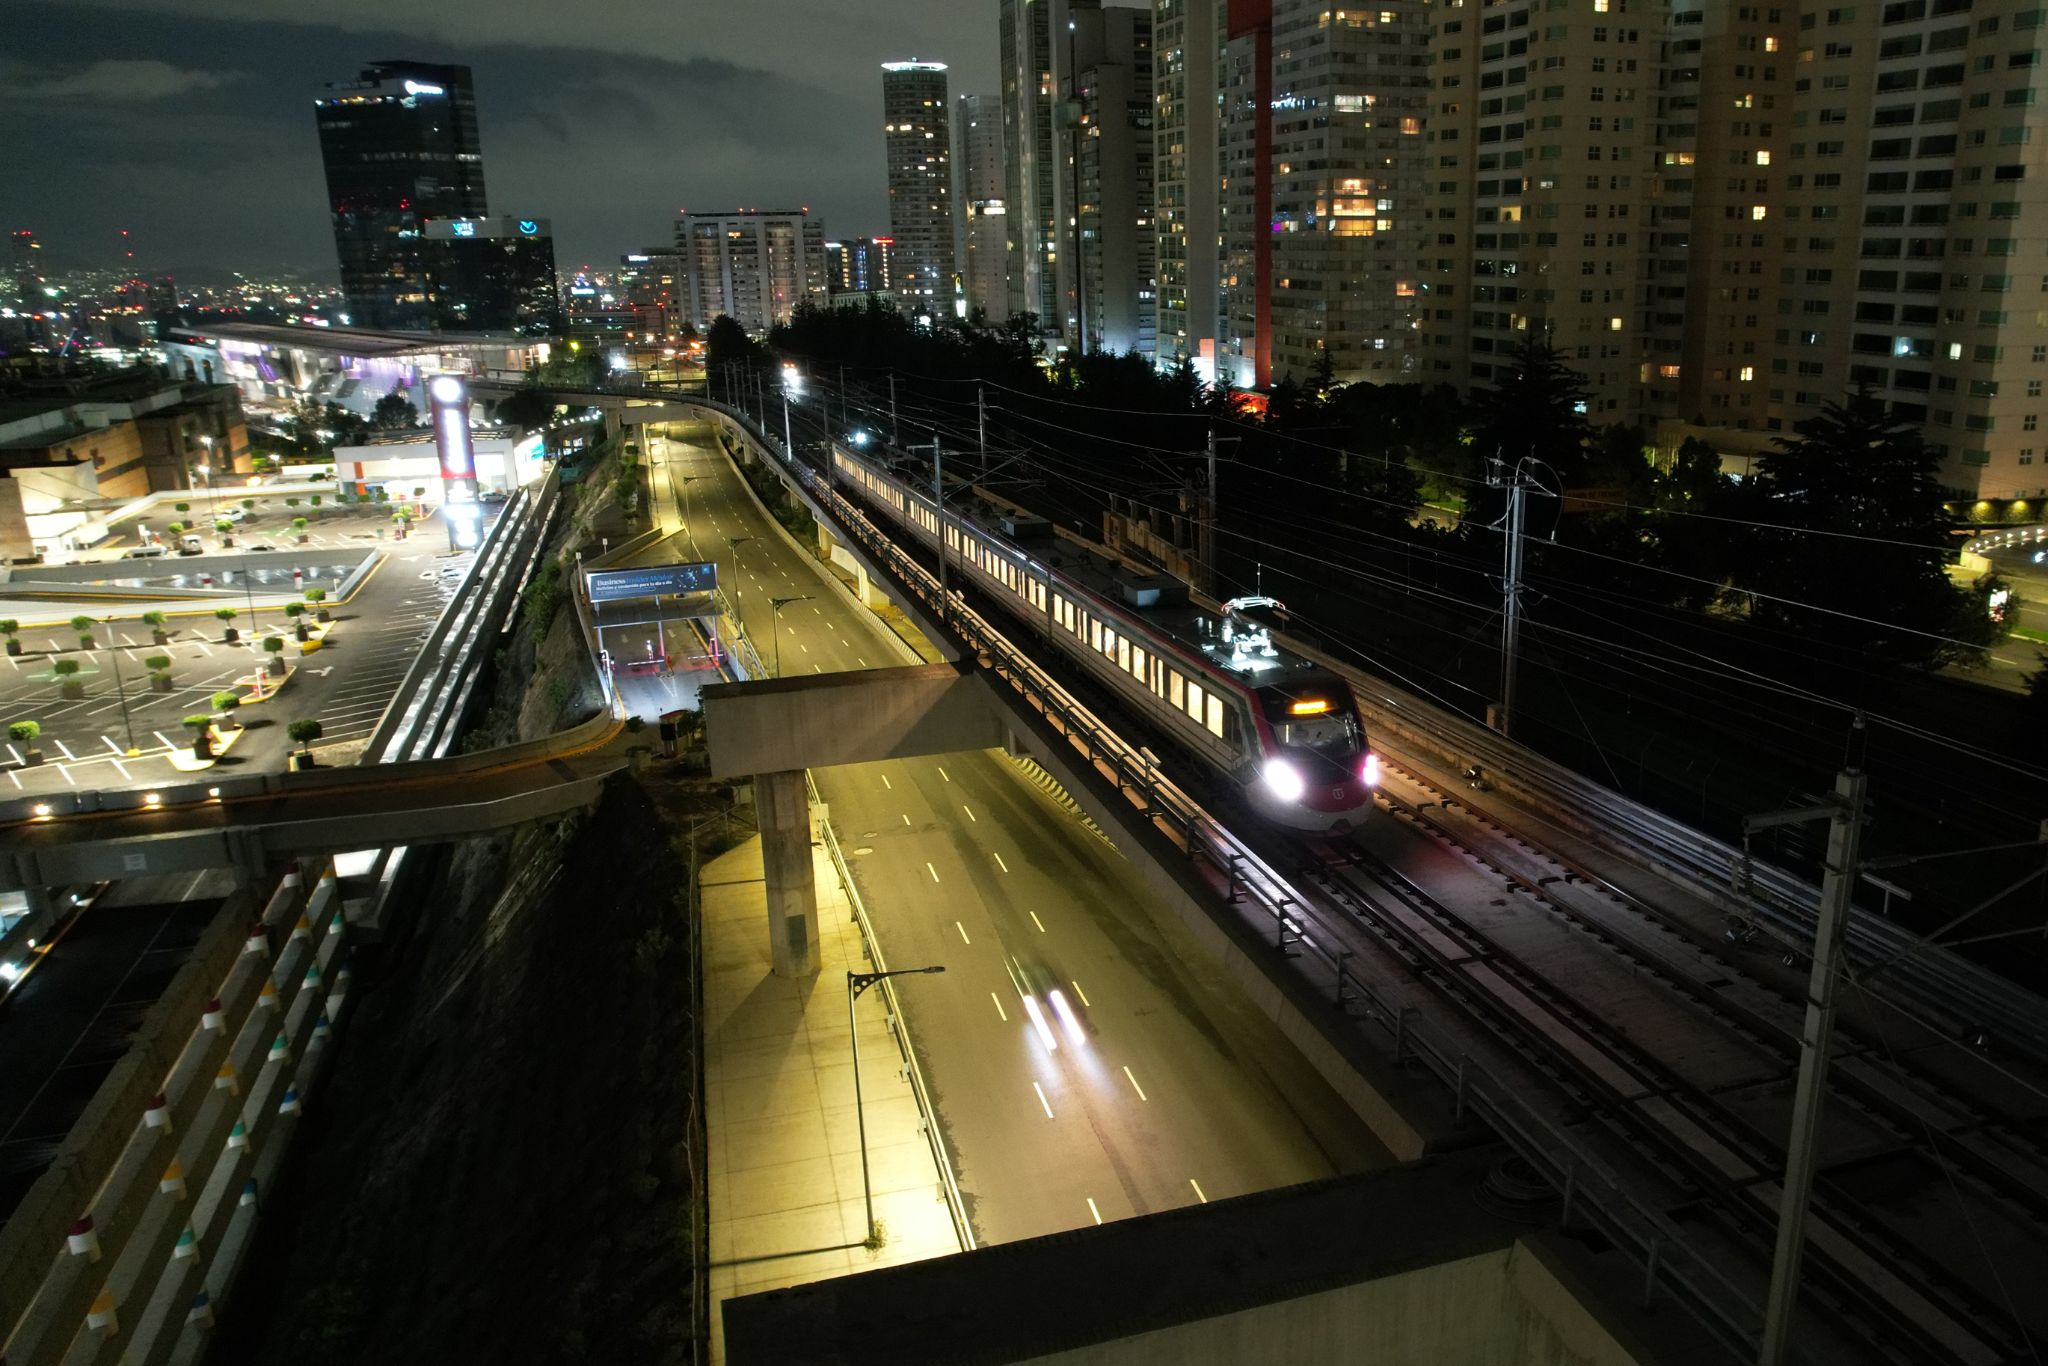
(345, 685)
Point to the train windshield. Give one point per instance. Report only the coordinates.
(1326, 733)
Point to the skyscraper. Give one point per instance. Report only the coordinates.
(754, 266)
(984, 245)
(865, 265)
(1108, 280)
(1350, 90)
(492, 275)
(1245, 210)
(1187, 44)
(918, 144)
(1031, 167)
(400, 147)
(27, 269)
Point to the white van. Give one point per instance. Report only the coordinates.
(144, 552)
(190, 544)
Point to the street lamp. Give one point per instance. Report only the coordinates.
(206, 471)
(856, 983)
(775, 623)
(792, 382)
(121, 691)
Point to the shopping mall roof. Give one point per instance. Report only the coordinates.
(360, 342)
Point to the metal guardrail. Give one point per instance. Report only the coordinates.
(1588, 1187)
(422, 710)
(956, 1205)
(1934, 979)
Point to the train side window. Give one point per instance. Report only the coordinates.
(1176, 690)
(1233, 729)
(1136, 663)
(1123, 655)
(1215, 721)
(1194, 702)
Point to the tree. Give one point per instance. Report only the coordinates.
(159, 667)
(1855, 541)
(304, 731)
(201, 726)
(528, 409)
(159, 627)
(82, 624)
(66, 673)
(394, 412)
(25, 733)
(726, 343)
(11, 629)
(1537, 408)
(226, 616)
(227, 703)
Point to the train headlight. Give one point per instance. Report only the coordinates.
(1369, 771)
(1284, 779)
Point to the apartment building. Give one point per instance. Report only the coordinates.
(1187, 142)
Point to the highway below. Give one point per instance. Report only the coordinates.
(1151, 1082)
(67, 1025)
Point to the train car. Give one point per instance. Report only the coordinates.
(1284, 729)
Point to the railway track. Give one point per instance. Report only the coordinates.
(1664, 1067)
(1494, 958)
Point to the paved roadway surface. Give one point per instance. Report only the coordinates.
(346, 684)
(1157, 1093)
(64, 1029)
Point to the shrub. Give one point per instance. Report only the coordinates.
(316, 595)
(24, 732)
(199, 721)
(224, 613)
(223, 526)
(9, 627)
(226, 702)
(64, 668)
(154, 620)
(304, 732)
(273, 645)
(158, 664)
(294, 610)
(82, 624)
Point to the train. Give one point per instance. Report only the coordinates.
(1282, 728)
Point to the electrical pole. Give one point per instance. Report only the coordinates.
(1511, 601)
(1205, 525)
(981, 424)
(939, 505)
(1844, 814)
(895, 432)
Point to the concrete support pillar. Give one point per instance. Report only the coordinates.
(783, 805)
(824, 543)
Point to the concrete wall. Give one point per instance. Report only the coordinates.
(1502, 1308)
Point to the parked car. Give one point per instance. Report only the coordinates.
(491, 496)
(190, 544)
(144, 552)
(236, 514)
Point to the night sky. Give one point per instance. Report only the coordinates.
(190, 122)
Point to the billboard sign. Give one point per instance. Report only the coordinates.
(653, 581)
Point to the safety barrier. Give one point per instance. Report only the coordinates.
(125, 1248)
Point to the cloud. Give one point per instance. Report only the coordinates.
(128, 81)
(606, 144)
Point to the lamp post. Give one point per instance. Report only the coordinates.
(121, 691)
(206, 470)
(856, 983)
(775, 623)
(792, 382)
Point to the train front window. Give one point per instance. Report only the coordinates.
(1331, 733)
